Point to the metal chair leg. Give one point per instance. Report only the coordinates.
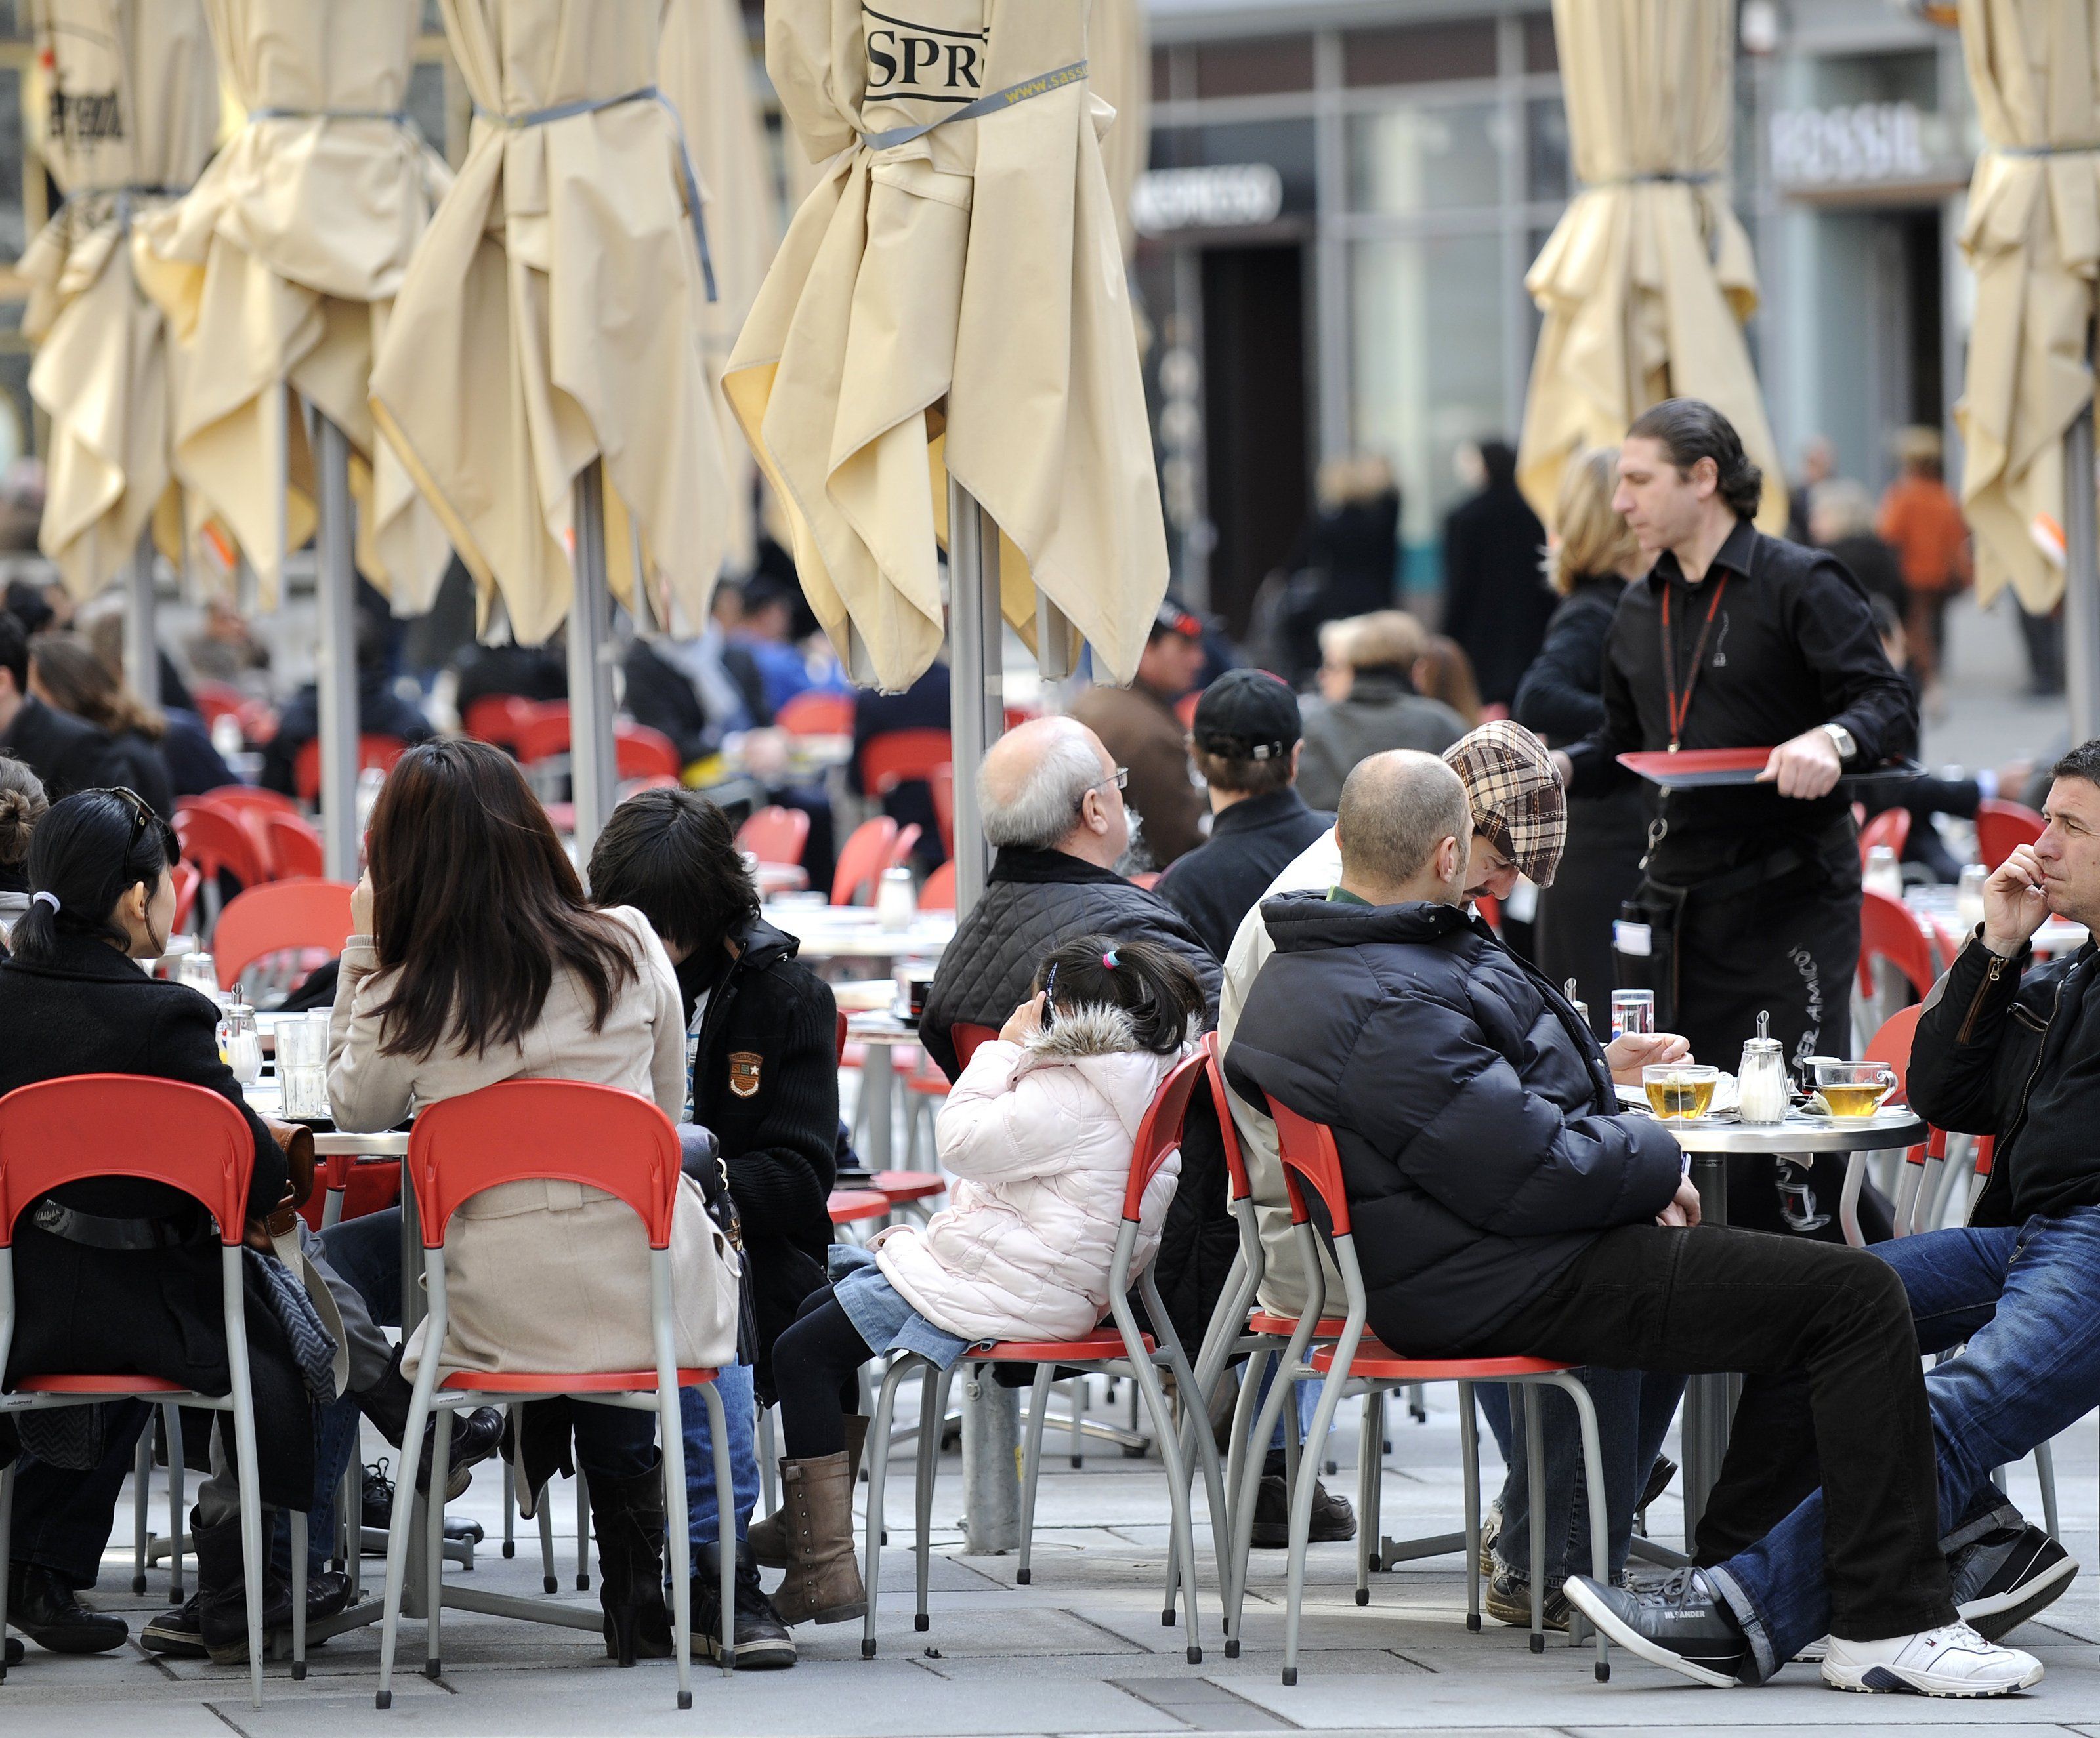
(1301, 1503)
(1031, 1463)
(877, 1456)
(1593, 1466)
(1534, 1472)
(510, 1498)
(929, 1446)
(1368, 1438)
(1469, 1459)
(1177, 1491)
(2044, 1460)
(171, 1428)
(298, 1531)
(1077, 1386)
(550, 1582)
(434, 1540)
(141, 1495)
(582, 1532)
(7, 1521)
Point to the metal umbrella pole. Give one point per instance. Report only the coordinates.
(593, 770)
(142, 647)
(335, 672)
(2081, 581)
(991, 1415)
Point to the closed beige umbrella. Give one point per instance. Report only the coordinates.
(965, 283)
(2033, 237)
(1647, 280)
(1119, 48)
(130, 103)
(704, 66)
(554, 315)
(279, 271)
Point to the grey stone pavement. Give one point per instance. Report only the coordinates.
(1080, 1650)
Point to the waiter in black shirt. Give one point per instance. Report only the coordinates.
(1750, 899)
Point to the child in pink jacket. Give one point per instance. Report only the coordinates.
(1038, 1133)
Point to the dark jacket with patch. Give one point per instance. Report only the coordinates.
(1480, 1142)
(766, 1081)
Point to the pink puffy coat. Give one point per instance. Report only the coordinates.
(1039, 1137)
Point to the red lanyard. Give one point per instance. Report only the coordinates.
(1680, 705)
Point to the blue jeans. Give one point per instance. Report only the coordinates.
(2023, 1298)
(740, 1413)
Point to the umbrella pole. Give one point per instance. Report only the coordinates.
(976, 649)
(141, 648)
(2081, 581)
(335, 672)
(592, 768)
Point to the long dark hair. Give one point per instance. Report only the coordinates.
(1154, 986)
(81, 683)
(673, 856)
(475, 904)
(88, 851)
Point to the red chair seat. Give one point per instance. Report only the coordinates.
(1373, 1360)
(1260, 1321)
(99, 1385)
(568, 1382)
(910, 1185)
(848, 1205)
(1092, 1350)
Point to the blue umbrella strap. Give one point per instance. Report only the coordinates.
(646, 93)
(983, 105)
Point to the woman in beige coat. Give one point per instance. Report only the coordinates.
(477, 959)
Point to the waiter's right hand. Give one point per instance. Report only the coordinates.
(2015, 902)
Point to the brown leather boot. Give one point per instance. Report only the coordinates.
(824, 1579)
(767, 1538)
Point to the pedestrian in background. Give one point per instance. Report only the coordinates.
(1495, 605)
(1367, 677)
(1145, 732)
(1921, 519)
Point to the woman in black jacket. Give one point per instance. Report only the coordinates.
(1561, 697)
(118, 1275)
(64, 673)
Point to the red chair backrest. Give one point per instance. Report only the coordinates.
(217, 700)
(373, 752)
(640, 752)
(861, 863)
(1237, 1184)
(295, 849)
(1891, 827)
(968, 1039)
(543, 731)
(942, 782)
(817, 712)
(241, 799)
(187, 881)
(1160, 1132)
(276, 919)
(899, 757)
(497, 718)
(2001, 826)
(842, 1034)
(1888, 931)
(775, 834)
(938, 894)
(58, 1131)
(565, 1131)
(212, 839)
(1308, 1151)
(1892, 1045)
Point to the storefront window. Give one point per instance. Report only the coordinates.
(1288, 147)
(1425, 158)
(1548, 154)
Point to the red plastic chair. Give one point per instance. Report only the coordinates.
(187, 881)
(1891, 827)
(295, 849)
(640, 752)
(1125, 1350)
(571, 1132)
(1889, 931)
(241, 799)
(543, 731)
(2001, 828)
(899, 757)
(819, 711)
(900, 854)
(283, 917)
(497, 718)
(212, 841)
(967, 1037)
(938, 894)
(1310, 1156)
(188, 1138)
(347, 1186)
(217, 700)
(374, 753)
(775, 834)
(866, 854)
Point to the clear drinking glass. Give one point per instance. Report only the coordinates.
(1969, 898)
(1632, 1011)
(1854, 1090)
(1679, 1091)
(302, 1066)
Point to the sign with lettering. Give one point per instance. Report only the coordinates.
(937, 59)
(1229, 196)
(1859, 143)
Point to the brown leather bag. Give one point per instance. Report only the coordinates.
(297, 1141)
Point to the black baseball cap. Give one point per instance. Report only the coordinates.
(1171, 618)
(1248, 715)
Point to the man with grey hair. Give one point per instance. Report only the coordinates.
(1053, 803)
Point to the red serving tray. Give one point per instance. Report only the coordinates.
(1689, 768)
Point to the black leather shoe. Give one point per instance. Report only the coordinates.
(11, 1654)
(762, 1641)
(1679, 1624)
(2005, 1577)
(1333, 1521)
(50, 1613)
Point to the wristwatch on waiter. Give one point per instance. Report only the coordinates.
(1840, 738)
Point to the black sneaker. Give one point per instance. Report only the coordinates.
(49, 1613)
(1659, 1476)
(1333, 1521)
(1508, 1600)
(2006, 1576)
(1681, 1625)
(762, 1641)
(177, 1635)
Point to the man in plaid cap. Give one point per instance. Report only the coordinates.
(1519, 809)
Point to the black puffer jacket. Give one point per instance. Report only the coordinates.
(1034, 901)
(1478, 1130)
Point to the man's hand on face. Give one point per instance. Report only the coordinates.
(2015, 904)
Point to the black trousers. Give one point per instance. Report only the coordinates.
(63, 1517)
(1716, 1300)
(815, 1363)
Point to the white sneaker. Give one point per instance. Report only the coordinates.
(1952, 1660)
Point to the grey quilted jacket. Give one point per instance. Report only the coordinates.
(1034, 901)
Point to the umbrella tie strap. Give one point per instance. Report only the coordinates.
(1661, 177)
(2085, 150)
(395, 117)
(590, 106)
(983, 105)
(122, 198)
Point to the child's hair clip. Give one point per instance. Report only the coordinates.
(1109, 961)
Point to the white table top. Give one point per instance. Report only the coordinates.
(880, 1028)
(854, 931)
(1799, 1133)
(266, 1101)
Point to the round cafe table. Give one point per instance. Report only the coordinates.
(1709, 1401)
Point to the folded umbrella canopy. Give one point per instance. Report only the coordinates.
(2033, 238)
(280, 270)
(1120, 53)
(952, 297)
(131, 109)
(1646, 279)
(555, 315)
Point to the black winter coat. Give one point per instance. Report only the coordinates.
(1496, 601)
(1034, 901)
(1561, 694)
(1480, 1141)
(778, 1127)
(153, 1313)
(69, 754)
(1250, 844)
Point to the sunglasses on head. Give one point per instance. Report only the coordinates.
(142, 817)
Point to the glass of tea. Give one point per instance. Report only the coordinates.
(1853, 1089)
(1677, 1091)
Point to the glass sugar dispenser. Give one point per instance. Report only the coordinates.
(1762, 1089)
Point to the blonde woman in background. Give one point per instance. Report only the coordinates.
(1590, 563)
(1370, 666)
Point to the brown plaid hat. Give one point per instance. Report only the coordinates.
(1515, 794)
